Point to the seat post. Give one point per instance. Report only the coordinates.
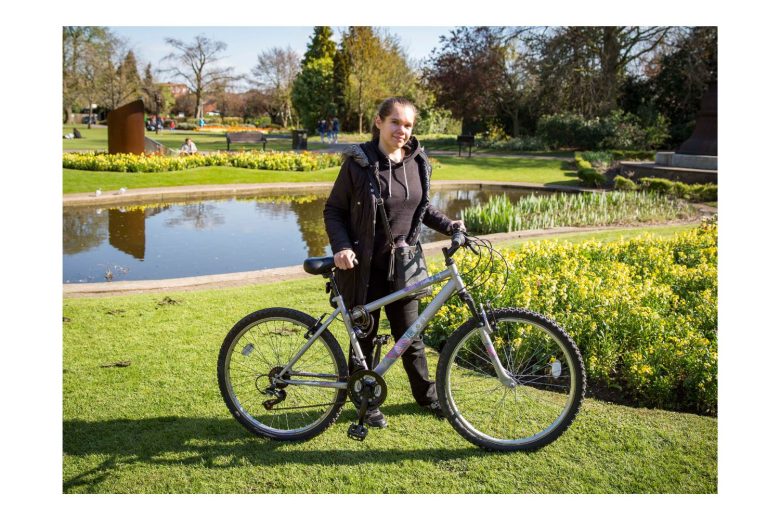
(332, 282)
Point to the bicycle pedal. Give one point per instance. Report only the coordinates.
(357, 432)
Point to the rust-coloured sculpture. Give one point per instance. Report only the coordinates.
(126, 129)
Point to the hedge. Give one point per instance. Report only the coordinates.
(644, 312)
(287, 161)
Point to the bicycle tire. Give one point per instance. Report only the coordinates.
(543, 361)
(267, 332)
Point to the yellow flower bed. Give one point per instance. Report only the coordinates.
(643, 311)
(287, 161)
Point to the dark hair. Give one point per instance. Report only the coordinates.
(385, 107)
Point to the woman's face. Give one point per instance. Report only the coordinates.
(396, 129)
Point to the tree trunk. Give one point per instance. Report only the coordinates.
(609, 58)
(198, 107)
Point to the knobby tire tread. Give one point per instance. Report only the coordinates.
(529, 315)
(303, 319)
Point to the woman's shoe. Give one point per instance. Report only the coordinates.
(436, 409)
(375, 419)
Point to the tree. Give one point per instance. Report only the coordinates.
(275, 73)
(582, 69)
(313, 89)
(123, 84)
(95, 73)
(464, 74)
(683, 77)
(372, 66)
(78, 45)
(195, 63)
(312, 92)
(362, 50)
(321, 44)
(157, 98)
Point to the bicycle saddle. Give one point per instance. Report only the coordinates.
(319, 264)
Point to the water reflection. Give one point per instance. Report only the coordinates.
(215, 236)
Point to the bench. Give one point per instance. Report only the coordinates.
(245, 137)
(465, 140)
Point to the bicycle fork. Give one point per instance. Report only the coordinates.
(484, 333)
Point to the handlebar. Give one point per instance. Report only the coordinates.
(458, 240)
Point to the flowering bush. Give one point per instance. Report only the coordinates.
(287, 161)
(644, 312)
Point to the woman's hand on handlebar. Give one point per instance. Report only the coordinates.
(458, 225)
(345, 259)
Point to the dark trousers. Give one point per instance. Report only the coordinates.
(401, 314)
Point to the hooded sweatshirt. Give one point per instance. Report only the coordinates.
(402, 192)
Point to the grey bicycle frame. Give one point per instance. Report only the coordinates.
(455, 284)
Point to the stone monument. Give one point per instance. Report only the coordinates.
(696, 160)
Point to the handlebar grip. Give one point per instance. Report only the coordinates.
(458, 238)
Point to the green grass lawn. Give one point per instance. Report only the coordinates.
(537, 171)
(160, 425)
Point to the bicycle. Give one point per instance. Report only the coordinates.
(508, 379)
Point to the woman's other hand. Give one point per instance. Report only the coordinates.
(345, 259)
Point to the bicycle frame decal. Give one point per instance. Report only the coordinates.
(430, 311)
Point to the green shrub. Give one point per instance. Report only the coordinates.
(518, 144)
(623, 184)
(604, 159)
(592, 178)
(499, 215)
(636, 155)
(693, 192)
(186, 126)
(567, 130)
(644, 312)
(619, 130)
(582, 164)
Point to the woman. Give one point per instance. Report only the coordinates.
(188, 148)
(394, 167)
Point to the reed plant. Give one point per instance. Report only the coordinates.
(500, 215)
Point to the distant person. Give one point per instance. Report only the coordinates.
(321, 130)
(76, 133)
(159, 125)
(329, 129)
(173, 124)
(188, 148)
(335, 129)
(201, 122)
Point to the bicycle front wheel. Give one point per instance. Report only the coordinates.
(255, 350)
(548, 382)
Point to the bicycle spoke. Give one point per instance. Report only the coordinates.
(491, 412)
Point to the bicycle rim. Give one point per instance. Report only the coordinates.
(267, 345)
(540, 406)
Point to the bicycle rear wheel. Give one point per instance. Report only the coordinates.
(256, 349)
(545, 365)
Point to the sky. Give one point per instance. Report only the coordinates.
(244, 43)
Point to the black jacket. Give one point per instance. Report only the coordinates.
(351, 212)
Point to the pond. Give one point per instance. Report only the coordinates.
(195, 238)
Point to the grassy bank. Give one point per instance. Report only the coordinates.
(159, 425)
(537, 171)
